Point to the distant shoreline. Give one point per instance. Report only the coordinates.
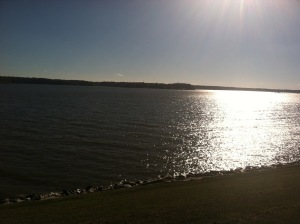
(179, 86)
(33, 80)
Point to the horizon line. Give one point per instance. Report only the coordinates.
(197, 86)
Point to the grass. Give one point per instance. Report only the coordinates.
(267, 196)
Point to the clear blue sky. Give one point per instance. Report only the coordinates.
(247, 43)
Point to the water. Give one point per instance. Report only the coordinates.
(55, 137)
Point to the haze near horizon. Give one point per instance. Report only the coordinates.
(239, 43)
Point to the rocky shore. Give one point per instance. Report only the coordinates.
(262, 195)
(127, 184)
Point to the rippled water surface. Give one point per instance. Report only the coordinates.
(55, 137)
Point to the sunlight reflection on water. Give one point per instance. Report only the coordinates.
(244, 129)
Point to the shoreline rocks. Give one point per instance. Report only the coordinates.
(123, 184)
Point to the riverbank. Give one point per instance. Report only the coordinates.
(261, 196)
(178, 86)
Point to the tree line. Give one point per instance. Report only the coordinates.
(33, 80)
(183, 86)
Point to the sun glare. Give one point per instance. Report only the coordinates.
(243, 100)
(243, 115)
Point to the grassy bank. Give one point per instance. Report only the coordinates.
(267, 196)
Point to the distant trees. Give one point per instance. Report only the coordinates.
(184, 86)
(147, 85)
(33, 80)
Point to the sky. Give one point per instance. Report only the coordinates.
(241, 43)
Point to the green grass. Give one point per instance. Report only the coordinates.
(268, 196)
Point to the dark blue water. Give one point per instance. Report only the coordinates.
(55, 137)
